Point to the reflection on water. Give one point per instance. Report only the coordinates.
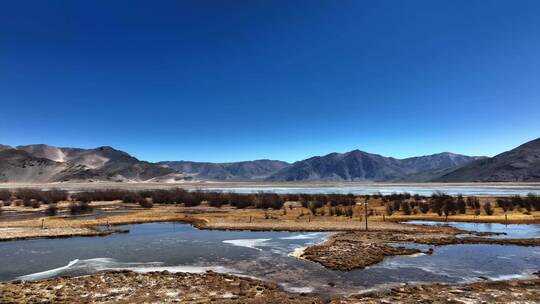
(510, 231)
(264, 255)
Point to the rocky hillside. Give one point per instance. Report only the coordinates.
(521, 164)
(19, 166)
(235, 171)
(43, 163)
(362, 166)
(4, 147)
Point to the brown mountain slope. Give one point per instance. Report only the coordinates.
(521, 164)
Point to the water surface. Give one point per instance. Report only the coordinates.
(510, 231)
(264, 255)
(426, 189)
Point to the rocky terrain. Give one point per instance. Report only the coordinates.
(19, 166)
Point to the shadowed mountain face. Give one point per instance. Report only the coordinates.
(43, 163)
(437, 162)
(236, 171)
(362, 166)
(521, 164)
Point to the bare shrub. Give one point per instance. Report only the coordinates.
(52, 210)
(488, 209)
(424, 207)
(146, 203)
(35, 204)
(81, 207)
(406, 207)
(389, 209)
(53, 196)
(5, 196)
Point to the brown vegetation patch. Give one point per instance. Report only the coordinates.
(347, 255)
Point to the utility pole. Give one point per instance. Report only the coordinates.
(365, 210)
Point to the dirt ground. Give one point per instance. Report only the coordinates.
(164, 287)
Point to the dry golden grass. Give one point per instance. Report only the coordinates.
(292, 219)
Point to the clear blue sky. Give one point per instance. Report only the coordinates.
(240, 80)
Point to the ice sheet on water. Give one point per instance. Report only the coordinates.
(248, 243)
(101, 264)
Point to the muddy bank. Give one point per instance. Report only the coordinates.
(356, 250)
(155, 287)
(516, 291)
(348, 255)
(25, 233)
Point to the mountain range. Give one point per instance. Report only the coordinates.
(44, 163)
(236, 171)
(362, 166)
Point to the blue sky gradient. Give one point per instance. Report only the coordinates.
(240, 80)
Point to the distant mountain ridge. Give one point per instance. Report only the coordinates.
(521, 164)
(234, 171)
(44, 163)
(362, 166)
